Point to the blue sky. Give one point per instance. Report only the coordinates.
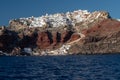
(12, 9)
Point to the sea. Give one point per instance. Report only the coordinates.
(73, 67)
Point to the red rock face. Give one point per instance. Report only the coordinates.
(48, 39)
(54, 38)
(43, 40)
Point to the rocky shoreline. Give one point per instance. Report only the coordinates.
(72, 33)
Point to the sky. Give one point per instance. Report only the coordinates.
(13, 9)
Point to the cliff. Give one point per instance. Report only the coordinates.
(78, 32)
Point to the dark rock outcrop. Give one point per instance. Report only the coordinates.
(8, 40)
(27, 40)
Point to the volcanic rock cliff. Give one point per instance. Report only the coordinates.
(78, 32)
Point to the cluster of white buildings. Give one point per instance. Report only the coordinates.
(63, 50)
(56, 20)
(60, 51)
(61, 19)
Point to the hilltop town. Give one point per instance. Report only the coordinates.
(77, 32)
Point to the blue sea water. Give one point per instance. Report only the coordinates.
(79, 67)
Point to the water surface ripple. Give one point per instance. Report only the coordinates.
(79, 67)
